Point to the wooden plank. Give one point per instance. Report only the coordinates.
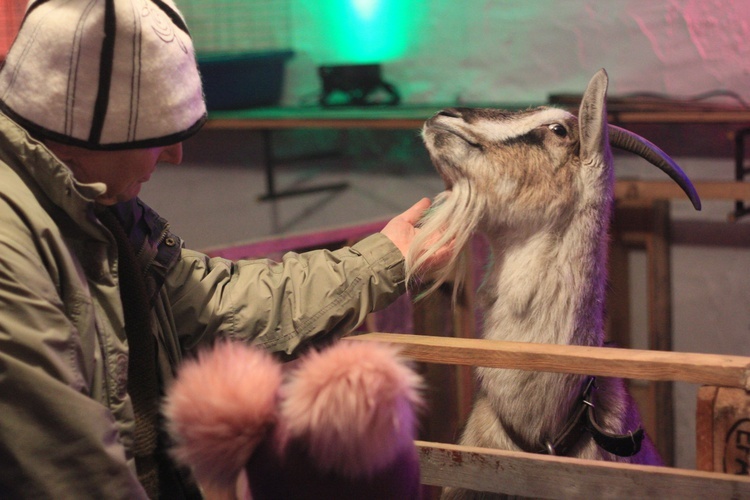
(543, 476)
(417, 121)
(656, 190)
(710, 369)
(739, 116)
(413, 116)
(704, 428)
(405, 112)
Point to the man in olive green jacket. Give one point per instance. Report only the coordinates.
(77, 139)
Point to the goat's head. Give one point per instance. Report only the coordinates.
(527, 169)
(524, 166)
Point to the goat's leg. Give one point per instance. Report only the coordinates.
(483, 429)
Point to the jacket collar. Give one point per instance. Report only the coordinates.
(156, 247)
(31, 160)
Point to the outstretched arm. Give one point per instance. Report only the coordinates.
(280, 305)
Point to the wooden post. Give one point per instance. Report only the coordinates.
(640, 225)
(432, 315)
(722, 428)
(618, 295)
(660, 324)
(450, 389)
(450, 393)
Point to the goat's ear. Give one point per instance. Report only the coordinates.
(592, 120)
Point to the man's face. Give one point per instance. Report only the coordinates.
(122, 171)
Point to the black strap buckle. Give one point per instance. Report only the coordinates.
(623, 445)
(584, 420)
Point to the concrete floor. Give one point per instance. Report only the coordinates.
(211, 200)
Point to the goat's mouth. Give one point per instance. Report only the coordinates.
(435, 134)
(437, 127)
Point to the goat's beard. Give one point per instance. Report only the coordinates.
(454, 216)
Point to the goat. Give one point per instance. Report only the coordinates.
(538, 184)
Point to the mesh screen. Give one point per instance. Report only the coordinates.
(226, 26)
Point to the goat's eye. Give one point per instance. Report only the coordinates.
(558, 129)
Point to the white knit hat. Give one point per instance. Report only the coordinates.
(104, 74)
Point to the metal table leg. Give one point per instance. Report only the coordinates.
(271, 161)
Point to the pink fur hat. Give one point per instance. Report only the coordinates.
(344, 425)
(220, 408)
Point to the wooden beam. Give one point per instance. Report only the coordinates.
(542, 476)
(739, 116)
(709, 369)
(664, 190)
(704, 427)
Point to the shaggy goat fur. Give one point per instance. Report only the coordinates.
(538, 184)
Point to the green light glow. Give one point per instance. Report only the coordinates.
(366, 31)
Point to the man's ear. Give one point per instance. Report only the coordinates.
(72, 156)
(63, 152)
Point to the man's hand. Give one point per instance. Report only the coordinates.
(402, 229)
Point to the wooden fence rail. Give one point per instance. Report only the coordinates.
(709, 369)
(541, 476)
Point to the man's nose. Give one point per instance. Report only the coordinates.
(172, 154)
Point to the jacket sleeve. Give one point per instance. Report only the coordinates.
(55, 440)
(280, 305)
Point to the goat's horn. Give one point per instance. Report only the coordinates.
(624, 139)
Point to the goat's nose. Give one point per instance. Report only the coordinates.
(450, 112)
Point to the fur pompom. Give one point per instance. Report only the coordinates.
(220, 408)
(353, 405)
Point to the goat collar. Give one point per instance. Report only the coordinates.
(584, 420)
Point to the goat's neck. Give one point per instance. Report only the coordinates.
(548, 286)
